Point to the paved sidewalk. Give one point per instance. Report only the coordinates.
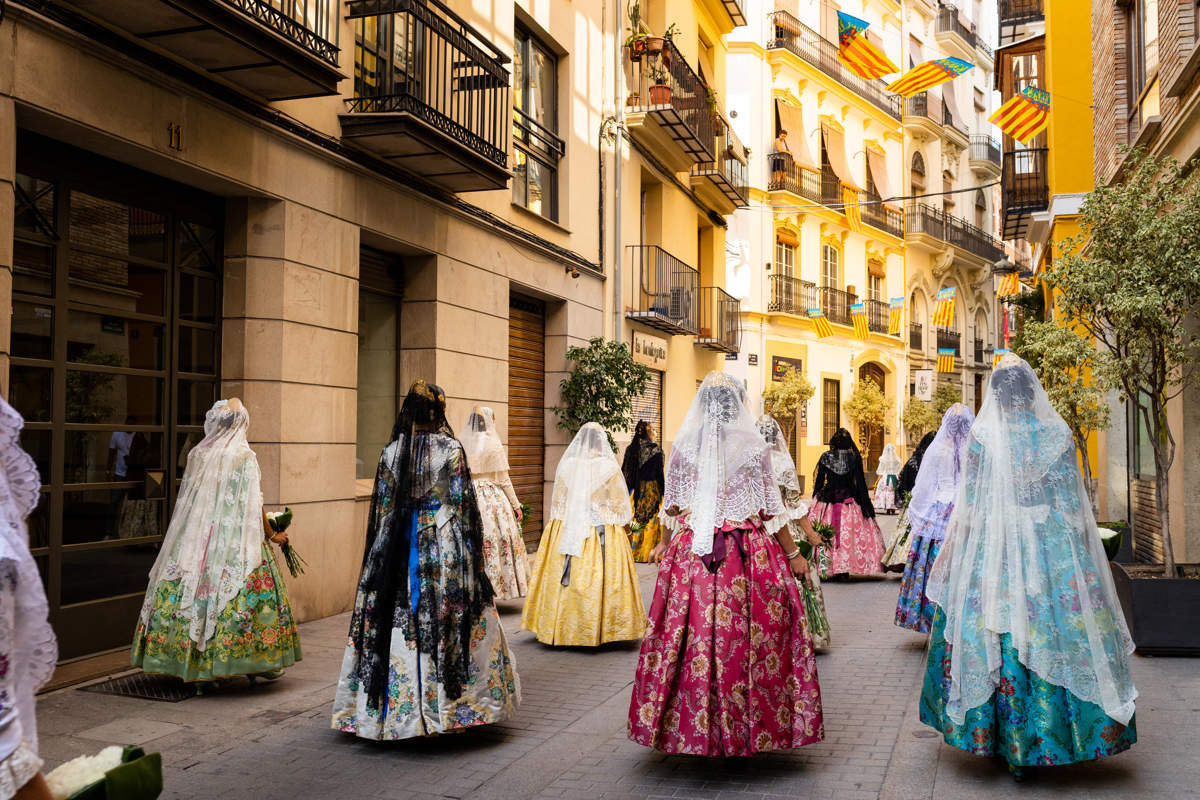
(568, 739)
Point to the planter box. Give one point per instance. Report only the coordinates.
(1161, 612)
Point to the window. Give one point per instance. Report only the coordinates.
(378, 394)
(981, 210)
(1142, 28)
(947, 197)
(535, 126)
(917, 176)
(785, 258)
(980, 102)
(831, 404)
(874, 287)
(829, 266)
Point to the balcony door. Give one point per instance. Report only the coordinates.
(874, 449)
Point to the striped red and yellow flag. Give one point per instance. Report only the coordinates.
(946, 359)
(1010, 284)
(943, 311)
(820, 323)
(895, 314)
(930, 74)
(1025, 115)
(858, 314)
(998, 354)
(860, 55)
(851, 208)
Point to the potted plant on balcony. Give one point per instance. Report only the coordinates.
(660, 92)
(635, 42)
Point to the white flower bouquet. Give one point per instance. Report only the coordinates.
(115, 773)
(818, 624)
(279, 522)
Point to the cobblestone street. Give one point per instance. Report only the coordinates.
(568, 739)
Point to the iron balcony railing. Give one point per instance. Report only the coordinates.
(831, 189)
(985, 148)
(914, 336)
(877, 316)
(924, 105)
(883, 217)
(924, 218)
(979, 351)
(1024, 183)
(789, 33)
(720, 320)
(949, 121)
(431, 64)
(1015, 12)
(312, 24)
(948, 21)
(791, 295)
(948, 338)
(836, 304)
(788, 176)
(666, 81)
(536, 137)
(665, 291)
(732, 172)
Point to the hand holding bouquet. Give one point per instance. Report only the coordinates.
(124, 772)
(279, 522)
(825, 531)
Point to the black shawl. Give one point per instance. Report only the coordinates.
(908, 473)
(840, 474)
(642, 468)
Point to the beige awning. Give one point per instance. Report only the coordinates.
(877, 163)
(914, 52)
(952, 105)
(787, 237)
(792, 120)
(875, 267)
(835, 148)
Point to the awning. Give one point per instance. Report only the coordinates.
(835, 148)
(792, 120)
(875, 267)
(914, 52)
(952, 105)
(787, 237)
(877, 163)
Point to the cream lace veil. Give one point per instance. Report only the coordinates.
(481, 442)
(589, 489)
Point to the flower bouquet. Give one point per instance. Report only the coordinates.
(818, 623)
(115, 773)
(279, 522)
(825, 531)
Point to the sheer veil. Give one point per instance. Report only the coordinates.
(589, 489)
(941, 471)
(1023, 556)
(783, 467)
(889, 462)
(481, 442)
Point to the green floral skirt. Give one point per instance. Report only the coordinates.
(255, 633)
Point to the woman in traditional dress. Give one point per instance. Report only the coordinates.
(504, 554)
(727, 665)
(28, 648)
(426, 653)
(889, 477)
(784, 470)
(643, 471)
(1029, 655)
(584, 588)
(216, 605)
(896, 555)
(841, 500)
(929, 512)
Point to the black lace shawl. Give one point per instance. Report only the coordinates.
(642, 467)
(840, 474)
(908, 473)
(425, 464)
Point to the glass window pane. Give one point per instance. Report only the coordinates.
(30, 391)
(102, 397)
(38, 523)
(116, 228)
(111, 283)
(520, 191)
(99, 515)
(90, 455)
(114, 341)
(377, 361)
(34, 207)
(33, 268)
(197, 298)
(32, 326)
(543, 89)
(539, 197)
(108, 572)
(197, 350)
(184, 442)
(195, 399)
(37, 444)
(196, 246)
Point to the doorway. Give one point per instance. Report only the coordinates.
(527, 408)
(874, 449)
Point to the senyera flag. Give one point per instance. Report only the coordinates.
(946, 359)
(930, 74)
(998, 354)
(862, 56)
(895, 312)
(820, 323)
(1010, 284)
(943, 311)
(858, 313)
(1025, 115)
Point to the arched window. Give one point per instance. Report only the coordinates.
(918, 173)
(981, 210)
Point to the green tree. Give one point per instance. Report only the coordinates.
(600, 387)
(946, 395)
(919, 418)
(1131, 281)
(784, 399)
(868, 408)
(1064, 361)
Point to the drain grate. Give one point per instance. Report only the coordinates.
(164, 688)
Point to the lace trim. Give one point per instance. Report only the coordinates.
(21, 766)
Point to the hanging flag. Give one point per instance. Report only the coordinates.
(858, 313)
(820, 323)
(943, 311)
(851, 208)
(1024, 115)
(946, 359)
(862, 56)
(930, 74)
(998, 354)
(895, 312)
(1010, 284)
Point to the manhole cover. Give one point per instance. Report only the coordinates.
(924, 734)
(165, 688)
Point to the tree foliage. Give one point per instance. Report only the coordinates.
(600, 387)
(784, 399)
(1131, 281)
(946, 395)
(868, 408)
(919, 418)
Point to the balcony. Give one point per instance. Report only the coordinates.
(1019, 12)
(915, 342)
(791, 295)
(985, 156)
(877, 215)
(877, 316)
(925, 223)
(955, 130)
(788, 33)
(979, 351)
(836, 304)
(788, 176)
(957, 38)
(668, 110)
(665, 291)
(950, 339)
(720, 321)
(430, 94)
(275, 49)
(1024, 189)
(723, 184)
(923, 116)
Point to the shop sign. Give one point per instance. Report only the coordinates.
(650, 351)
(781, 364)
(752, 359)
(923, 378)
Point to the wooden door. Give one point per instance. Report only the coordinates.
(527, 407)
(874, 449)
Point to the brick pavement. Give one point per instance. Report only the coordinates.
(568, 739)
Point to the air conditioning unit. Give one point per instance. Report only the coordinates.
(681, 303)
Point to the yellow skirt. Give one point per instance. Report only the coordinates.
(601, 601)
(645, 538)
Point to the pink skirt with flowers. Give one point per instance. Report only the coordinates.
(726, 667)
(857, 542)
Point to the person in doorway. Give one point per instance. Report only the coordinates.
(928, 513)
(1029, 657)
(504, 554)
(28, 648)
(780, 157)
(896, 555)
(119, 446)
(842, 501)
(426, 654)
(889, 477)
(642, 467)
(727, 665)
(216, 605)
(584, 590)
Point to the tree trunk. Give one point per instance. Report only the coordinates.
(1162, 471)
(1081, 446)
